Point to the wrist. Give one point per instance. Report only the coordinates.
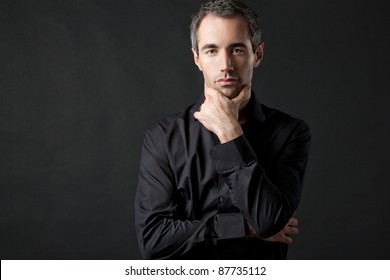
(227, 135)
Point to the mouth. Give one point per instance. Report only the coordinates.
(231, 81)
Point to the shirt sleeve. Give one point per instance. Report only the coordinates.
(161, 233)
(266, 204)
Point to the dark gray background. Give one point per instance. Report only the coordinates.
(81, 80)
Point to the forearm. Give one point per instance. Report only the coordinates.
(166, 238)
(162, 237)
(266, 204)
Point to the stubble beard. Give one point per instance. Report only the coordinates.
(230, 92)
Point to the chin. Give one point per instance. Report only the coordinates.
(230, 93)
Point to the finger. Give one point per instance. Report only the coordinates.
(283, 238)
(293, 222)
(292, 230)
(287, 240)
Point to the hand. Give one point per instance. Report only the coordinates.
(282, 236)
(219, 114)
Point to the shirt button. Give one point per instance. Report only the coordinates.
(221, 199)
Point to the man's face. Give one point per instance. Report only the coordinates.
(225, 54)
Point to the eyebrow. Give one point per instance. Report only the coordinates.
(214, 46)
(235, 45)
(209, 46)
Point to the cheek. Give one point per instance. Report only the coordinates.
(208, 70)
(246, 66)
(247, 73)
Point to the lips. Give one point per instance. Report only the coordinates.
(227, 81)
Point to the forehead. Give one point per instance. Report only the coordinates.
(219, 30)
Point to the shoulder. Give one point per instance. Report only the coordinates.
(285, 122)
(170, 124)
(167, 135)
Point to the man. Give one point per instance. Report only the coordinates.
(223, 178)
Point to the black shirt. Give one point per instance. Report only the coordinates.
(195, 195)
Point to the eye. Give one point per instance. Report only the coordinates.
(238, 51)
(211, 51)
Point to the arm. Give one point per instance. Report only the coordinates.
(160, 231)
(163, 228)
(266, 204)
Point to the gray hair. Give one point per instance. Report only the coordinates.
(226, 8)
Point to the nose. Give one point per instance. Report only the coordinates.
(226, 62)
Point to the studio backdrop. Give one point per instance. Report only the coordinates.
(80, 81)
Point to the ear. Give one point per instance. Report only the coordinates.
(259, 55)
(196, 58)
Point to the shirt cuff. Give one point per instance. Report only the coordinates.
(230, 155)
(229, 225)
